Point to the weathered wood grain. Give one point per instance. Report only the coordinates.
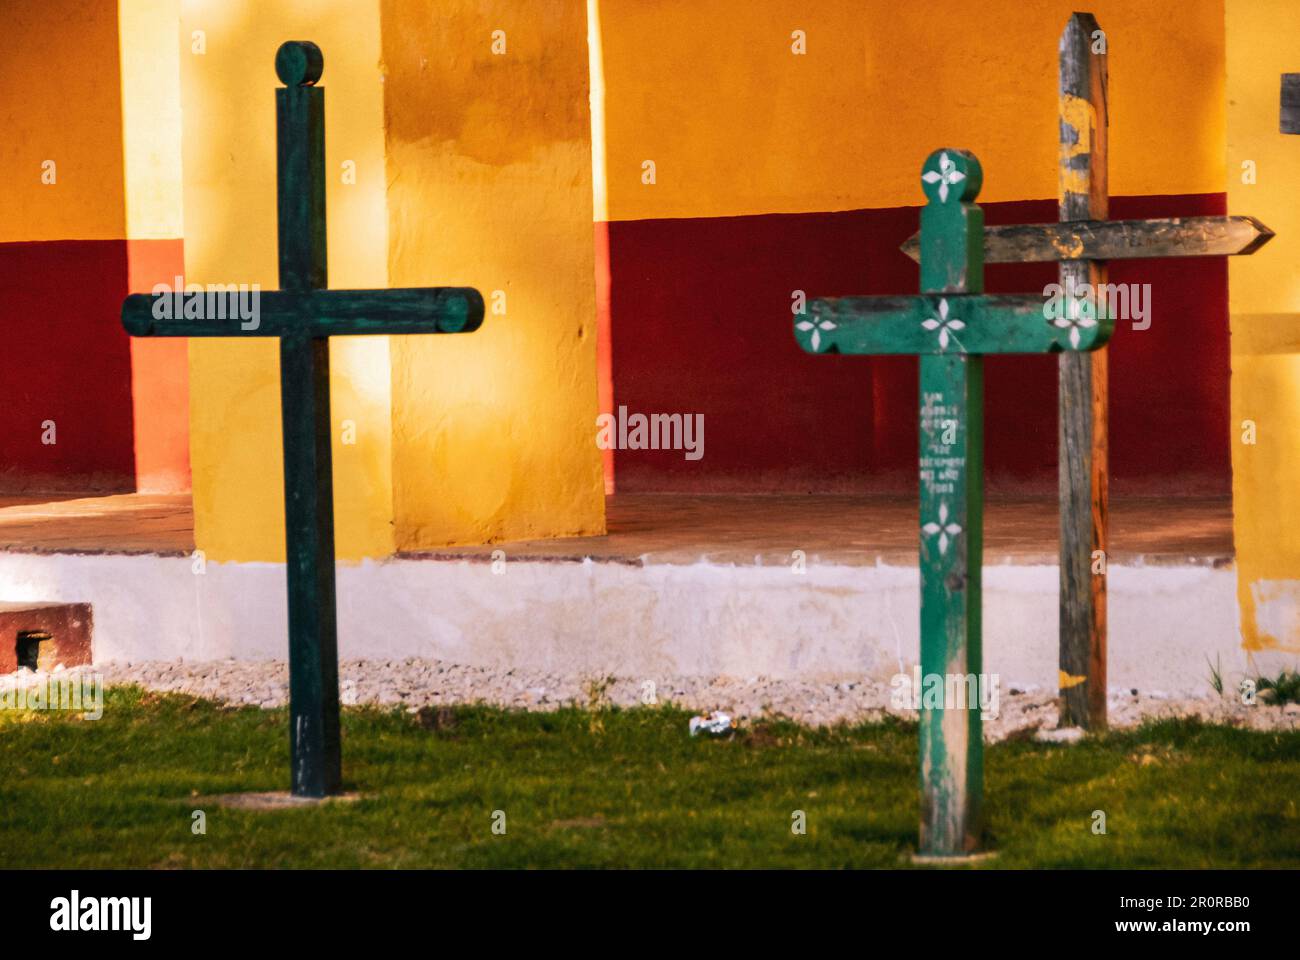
(1082, 388)
(1290, 119)
(952, 560)
(1215, 236)
(951, 476)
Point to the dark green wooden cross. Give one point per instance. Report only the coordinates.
(303, 315)
(950, 326)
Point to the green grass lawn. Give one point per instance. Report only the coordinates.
(616, 788)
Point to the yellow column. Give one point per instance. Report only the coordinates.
(1264, 179)
(227, 56)
(490, 172)
(448, 164)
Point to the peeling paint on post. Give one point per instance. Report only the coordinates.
(952, 507)
(1214, 236)
(952, 529)
(951, 325)
(1083, 446)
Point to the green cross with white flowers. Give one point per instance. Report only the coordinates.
(951, 326)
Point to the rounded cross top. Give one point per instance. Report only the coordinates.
(299, 63)
(951, 176)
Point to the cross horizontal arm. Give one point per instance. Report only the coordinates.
(319, 313)
(977, 324)
(1117, 239)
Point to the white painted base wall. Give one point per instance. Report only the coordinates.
(1167, 623)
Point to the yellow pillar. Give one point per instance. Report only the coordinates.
(1264, 180)
(489, 165)
(447, 164)
(227, 55)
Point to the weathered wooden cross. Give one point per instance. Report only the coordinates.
(303, 315)
(952, 325)
(1083, 241)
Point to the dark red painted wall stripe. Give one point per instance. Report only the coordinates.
(700, 316)
(65, 357)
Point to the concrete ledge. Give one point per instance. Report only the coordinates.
(832, 621)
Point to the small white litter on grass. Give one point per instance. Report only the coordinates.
(716, 723)
(1060, 735)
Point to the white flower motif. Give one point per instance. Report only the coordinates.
(943, 528)
(1078, 319)
(945, 176)
(943, 324)
(816, 325)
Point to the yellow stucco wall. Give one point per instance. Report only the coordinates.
(490, 185)
(738, 124)
(148, 32)
(471, 168)
(1265, 308)
(229, 188)
(61, 101)
(151, 117)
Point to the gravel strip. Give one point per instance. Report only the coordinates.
(415, 683)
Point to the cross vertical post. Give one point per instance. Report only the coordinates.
(1083, 446)
(952, 530)
(305, 411)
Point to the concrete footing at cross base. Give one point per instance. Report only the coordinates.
(956, 860)
(1168, 623)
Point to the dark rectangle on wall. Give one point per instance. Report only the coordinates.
(701, 324)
